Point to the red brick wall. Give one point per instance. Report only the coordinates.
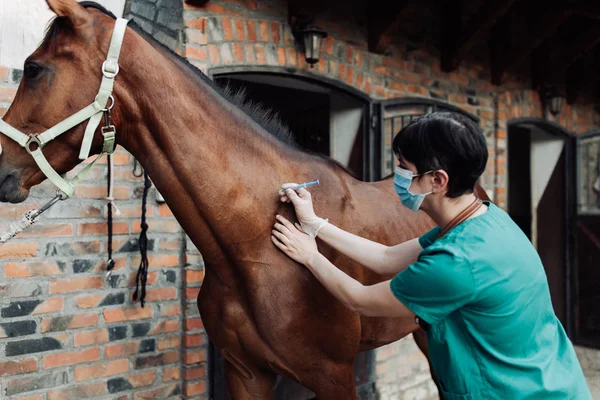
(66, 332)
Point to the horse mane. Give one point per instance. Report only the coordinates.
(267, 118)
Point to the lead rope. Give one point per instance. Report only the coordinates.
(142, 274)
(110, 199)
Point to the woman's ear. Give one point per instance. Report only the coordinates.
(440, 180)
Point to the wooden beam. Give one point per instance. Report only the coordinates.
(475, 30)
(545, 26)
(383, 21)
(450, 18)
(587, 38)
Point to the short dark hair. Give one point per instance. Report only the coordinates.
(445, 140)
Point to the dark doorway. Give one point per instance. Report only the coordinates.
(306, 113)
(325, 120)
(587, 241)
(537, 201)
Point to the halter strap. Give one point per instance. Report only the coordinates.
(462, 216)
(34, 143)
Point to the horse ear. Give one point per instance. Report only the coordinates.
(70, 9)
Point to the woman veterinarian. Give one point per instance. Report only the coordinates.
(474, 280)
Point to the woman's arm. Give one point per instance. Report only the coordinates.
(375, 300)
(377, 257)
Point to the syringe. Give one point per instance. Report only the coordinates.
(303, 185)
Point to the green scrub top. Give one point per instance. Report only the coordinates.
(492, 333)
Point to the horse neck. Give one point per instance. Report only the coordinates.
(218, 171)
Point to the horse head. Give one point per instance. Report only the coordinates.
(61, 79)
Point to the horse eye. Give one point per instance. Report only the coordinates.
(32, 70)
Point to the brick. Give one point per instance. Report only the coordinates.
(21, 289)
(18, 328)
(127, 314)
(101, 228)
(213, 54)
(52, 305)
(18, 249)
(117, 333)
(62, 323)
(76, 357)
(196, 53)
(194, 388)
(240, 29)
(36, 382)
(169, 342)
(252, 31)
(291, 57)
(91, 391)
(227, 28)
(238, 53)
(275, 32)
(161, 294)
(19, 308)
(89, 300)
(17, 367)
(195, 372)
(194, 276)
(56, 230)
(190, 340)
(161, 392)
(349, 75)
(249, 52)
(163, 211)
(281, 56)
(171, 325)
(169, 357)
(169, 310)
(109, 368)
(197, 23)
(75, 284)
(30, 346)
(171, 374)
(191, 293)
(260, 54)
(87, 338)
(121, 349)
(418, 90)
(194, 356)
(226, 53)
(72, 248)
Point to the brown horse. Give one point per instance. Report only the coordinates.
(219, 165)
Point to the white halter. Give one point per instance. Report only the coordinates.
(34, 143)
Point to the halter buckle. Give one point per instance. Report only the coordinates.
(108, 134)
(33, 139)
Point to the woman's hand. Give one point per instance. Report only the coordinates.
(303, 206)
(292, 241)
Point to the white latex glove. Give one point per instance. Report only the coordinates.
(305, 212)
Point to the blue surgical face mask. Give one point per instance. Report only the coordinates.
(402, 180)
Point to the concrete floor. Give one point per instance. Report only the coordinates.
(590, 362)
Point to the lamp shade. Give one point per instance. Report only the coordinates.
(313, 38)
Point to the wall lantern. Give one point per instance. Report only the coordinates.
(553, 100)
(311, 36)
